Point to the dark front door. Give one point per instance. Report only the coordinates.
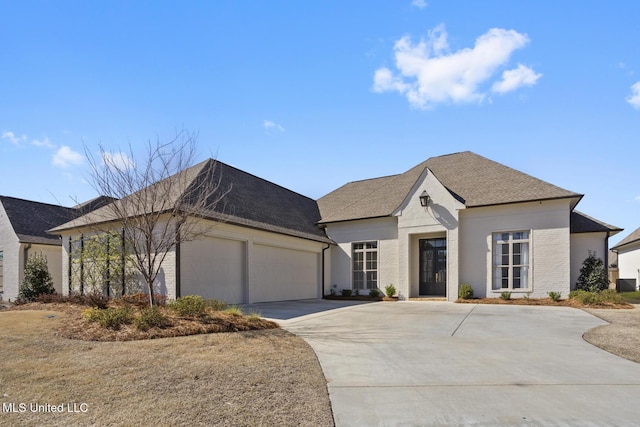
(433, 267)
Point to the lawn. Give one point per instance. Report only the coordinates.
(631, 297)
(264, 377)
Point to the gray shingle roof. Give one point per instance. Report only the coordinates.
(474, 180)
(631, 238)
(31, 220)
(251, 201)
(583, 223)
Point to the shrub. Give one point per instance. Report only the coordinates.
(375, 293)
(465, 291)
(357, 292)
(593, 275)
(190, 306)
(141, 299)
(110, 318)
(555, 296)
(345, 292)
(234, 310)
(506, 295)
(254, 317)
(216, 304)
(608, 296)
(151, 317)
(390, 290)
(91, 300)
(37, 279)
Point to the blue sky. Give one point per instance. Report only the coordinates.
(311, 95)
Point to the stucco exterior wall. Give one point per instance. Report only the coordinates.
(581, 244)
(548, 224)
(382, 230)
(12, 258)
(629, 262)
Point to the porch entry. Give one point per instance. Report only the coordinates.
(433, 267)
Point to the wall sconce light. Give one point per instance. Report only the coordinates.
(424, 199)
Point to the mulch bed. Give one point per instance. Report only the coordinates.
(77, 326)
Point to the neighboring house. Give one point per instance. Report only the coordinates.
(23, 231)
(628, 250)
(262, 242)
(458, 218)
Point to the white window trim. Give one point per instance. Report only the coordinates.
(529, 288)
(377, 270)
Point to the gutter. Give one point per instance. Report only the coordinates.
(323, 262)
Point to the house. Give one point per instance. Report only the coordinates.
(628, 250)
(458, 218)
(261, 243)
(23, 231)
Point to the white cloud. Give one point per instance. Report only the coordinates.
(268, 125)
(428, 73)
(421, 4)
(15, 140)
(65, 156)
(43, 143)
(634, 98)
(515, 79)
(118, 160)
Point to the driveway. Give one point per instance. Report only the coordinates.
(432, 364)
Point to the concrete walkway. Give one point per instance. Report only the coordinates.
(443, 364)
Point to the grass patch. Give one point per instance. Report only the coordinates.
(200, 379)
(631, 297)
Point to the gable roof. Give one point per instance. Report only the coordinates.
(31, 220)
(472, 179)
(250, 201)
(583, 223)
(631, 238)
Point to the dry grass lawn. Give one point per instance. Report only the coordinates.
(621, 336)
(257, 378)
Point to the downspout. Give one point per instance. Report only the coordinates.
(606, 254)
(323, 262)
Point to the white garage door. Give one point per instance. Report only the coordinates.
(284, 274)
(213, 268)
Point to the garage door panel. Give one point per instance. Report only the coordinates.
(214, 268)
(284, 274)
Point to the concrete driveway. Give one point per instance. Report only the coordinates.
(443, 364)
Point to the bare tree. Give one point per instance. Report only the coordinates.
(161, 199)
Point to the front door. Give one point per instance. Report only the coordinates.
(433, 267)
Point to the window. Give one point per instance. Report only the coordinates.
(1, 255)
(511, 260)
(365, 265)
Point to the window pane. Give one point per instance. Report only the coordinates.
(497, 278)
(505, 277)
(524, 277)
(504, 236)
(357, 246)
(358, 280)
(372, 279)
(372, 245)
(516, 278)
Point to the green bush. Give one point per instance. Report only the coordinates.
(345, 292)
(37, 280)
(593, 275)
(608, 296)
(555, 296)
(151, 317)
(110, 318)
(189, 306)
(465, 291)
(216, 304)
(234, 310)
(375, 293)
(506, 295)
(390, 290)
